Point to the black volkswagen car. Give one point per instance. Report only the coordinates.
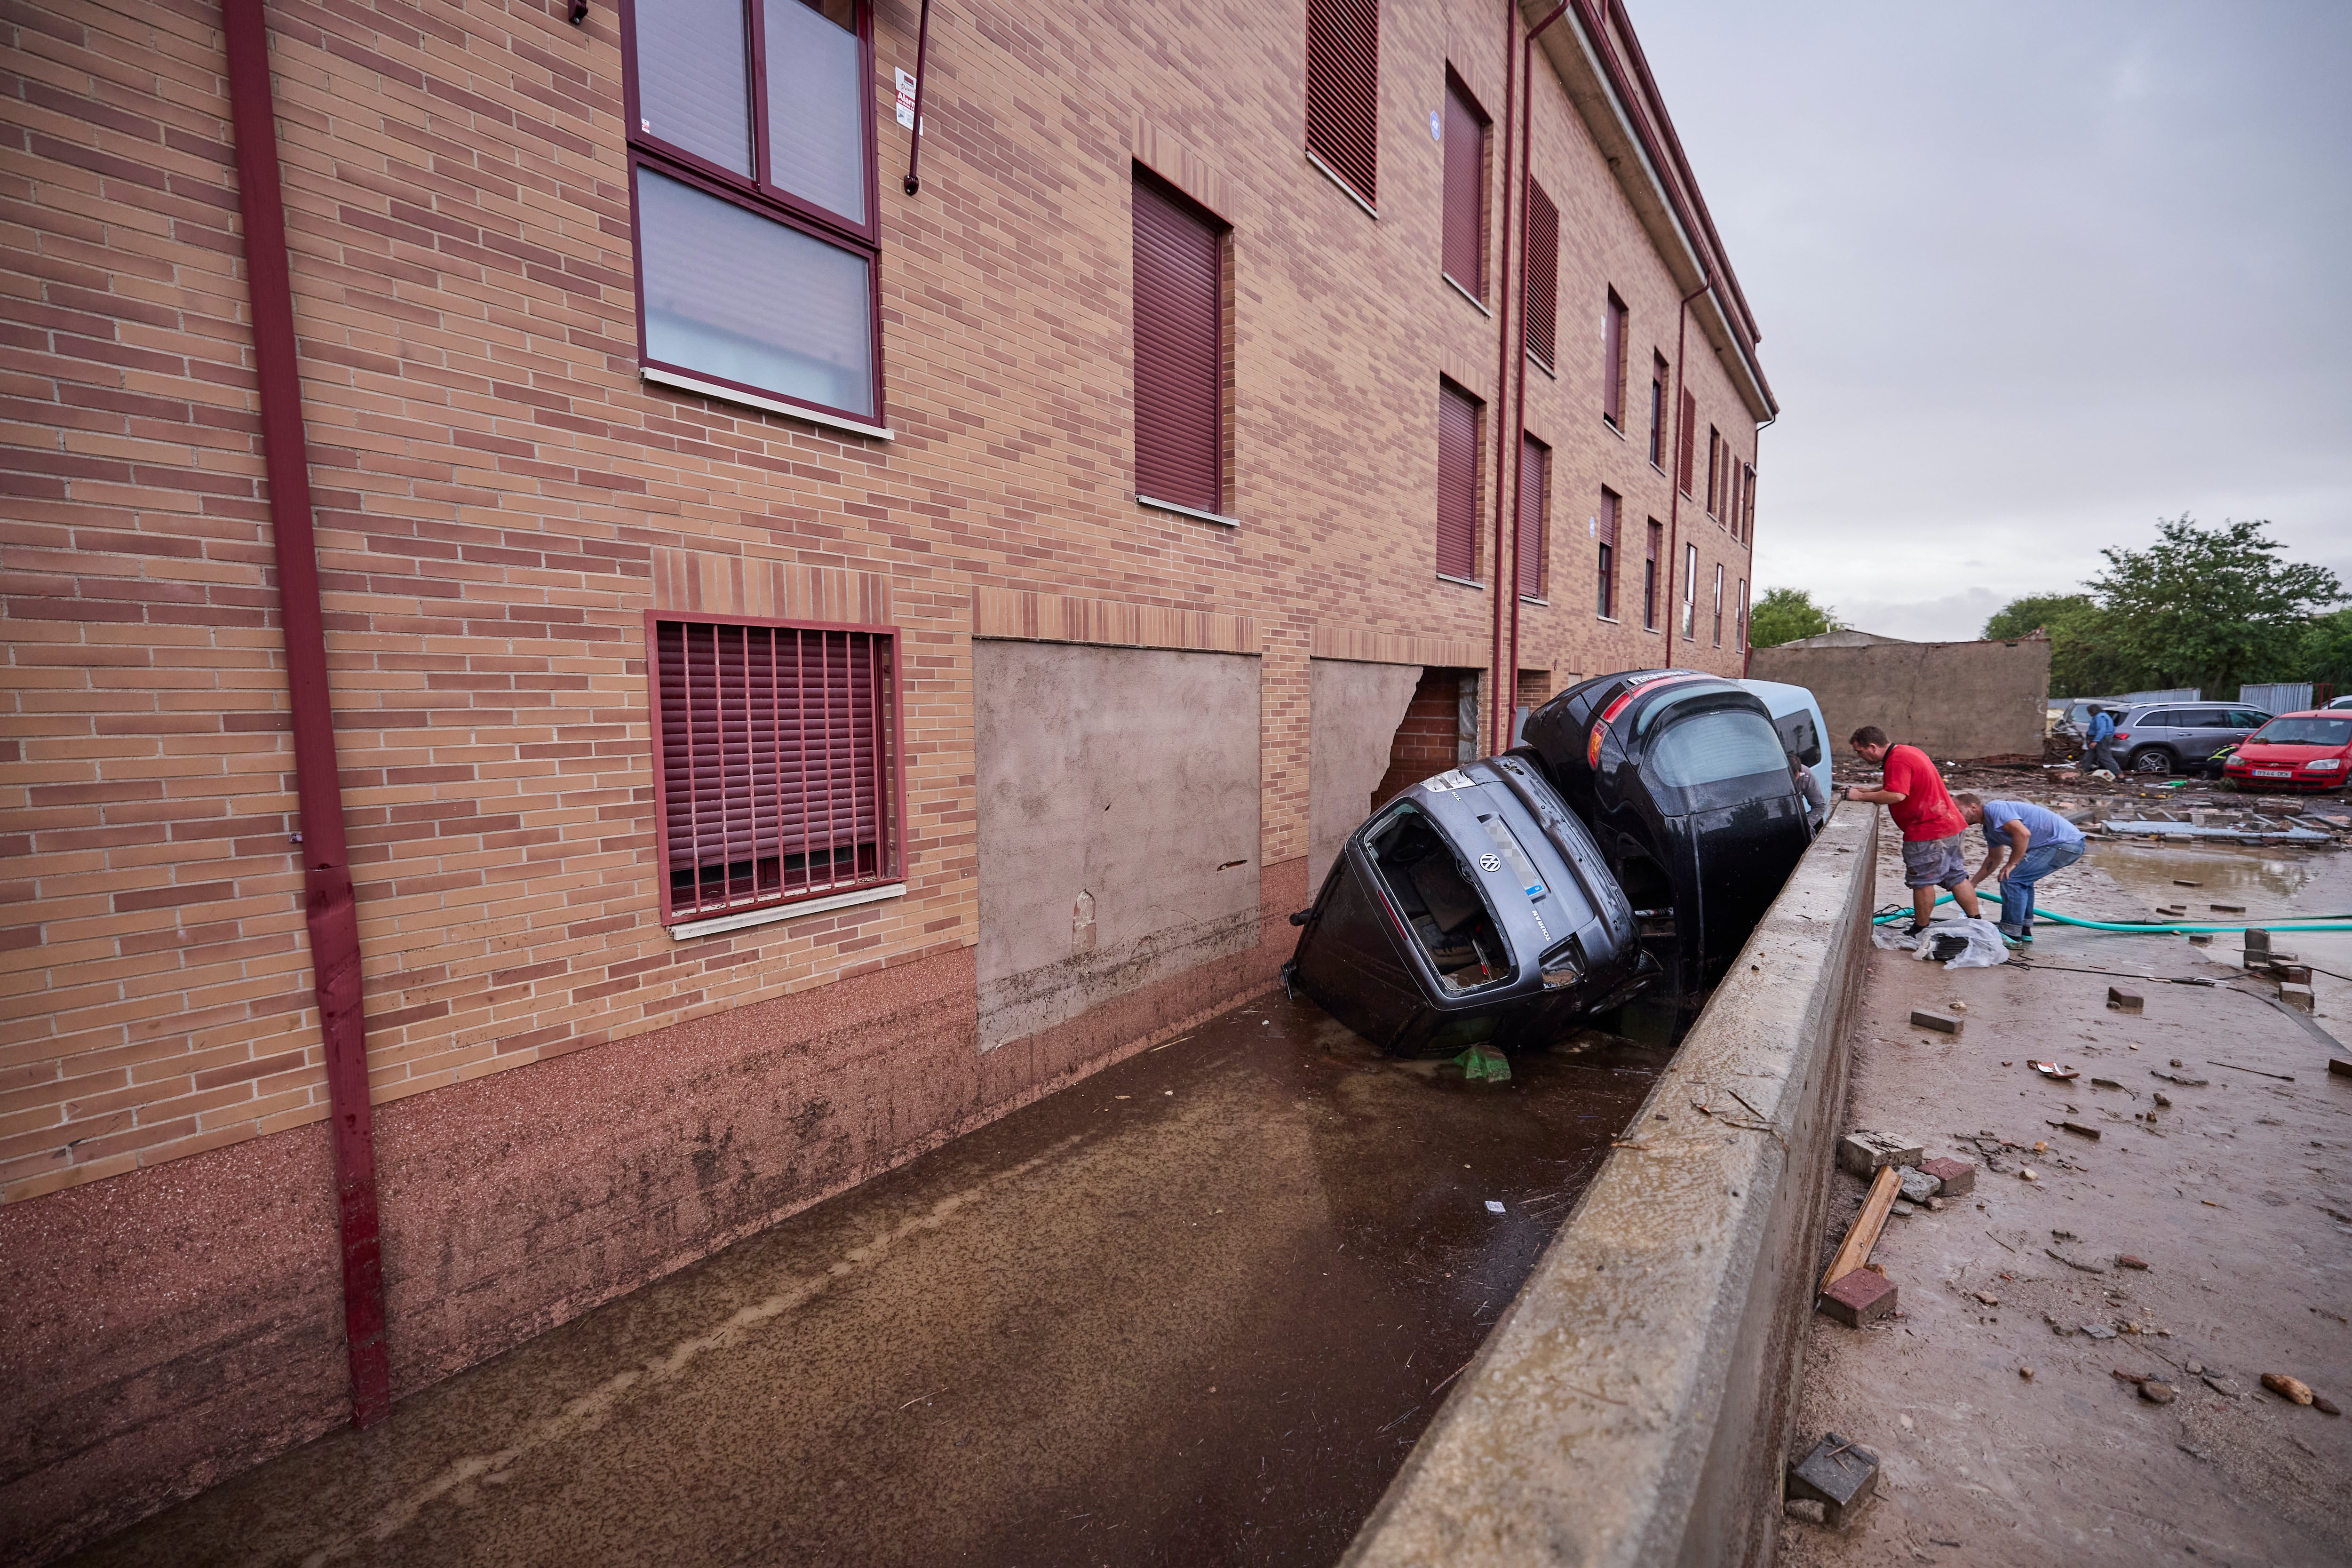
(1692, 798)
(1474, 907)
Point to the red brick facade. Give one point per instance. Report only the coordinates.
(501, 498)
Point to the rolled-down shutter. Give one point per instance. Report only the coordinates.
(1343, 90)
(1612, 361)
(1543, 276)
(1535, 471)
(1458, 480)
(1178, 333)
(776, 755)
(1688, 445)
(1464, 236)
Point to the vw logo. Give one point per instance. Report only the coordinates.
(1490, 862)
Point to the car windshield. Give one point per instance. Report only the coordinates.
(1707, 747)
(2306, 732)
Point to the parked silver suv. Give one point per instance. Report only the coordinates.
(2165, 737)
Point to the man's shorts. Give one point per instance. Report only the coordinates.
(1933, 862)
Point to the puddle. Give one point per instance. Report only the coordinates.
(2274, 884)
(1195, 1308)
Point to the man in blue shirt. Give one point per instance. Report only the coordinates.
(2099, 744)
(2024, 842)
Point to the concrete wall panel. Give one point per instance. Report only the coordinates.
(1954, 699)
(1354, 711)
(1117, 826)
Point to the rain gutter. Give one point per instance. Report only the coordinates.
(329, 913)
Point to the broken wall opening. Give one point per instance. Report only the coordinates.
(1439, 730)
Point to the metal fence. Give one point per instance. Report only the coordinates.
(2279, 696)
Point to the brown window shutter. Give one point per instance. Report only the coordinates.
(1465, 237)
(1685, 448)
(1612, 362)
(1458, 481)
(1534, 475)
(1542, 265)
(1178, 333)
(1343, 90)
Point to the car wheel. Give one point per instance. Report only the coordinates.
(2150, 760)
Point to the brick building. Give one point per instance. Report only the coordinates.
(817, 656)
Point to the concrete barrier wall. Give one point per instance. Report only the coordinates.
(1954, 698)
(1634, 1405)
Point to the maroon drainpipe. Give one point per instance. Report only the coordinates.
(915, 141)
(327, 909)
(1519, 396)
(1503, 586)
(1675, 474)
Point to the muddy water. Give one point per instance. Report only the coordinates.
(2275, 884)
(1194, 1309)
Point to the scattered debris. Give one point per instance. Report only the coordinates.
(2339, 1067)
(1494, 1207)
(2183, 1079)
(2163, 1099)
(1863, 1152)
(2227, 909)
(2282, 1077)
(1987, 1297)
(1918, 1186)
(1842, 1477)
(2157, 1393)
(2098, 1331)
(2299, 997)
(2324, 1405)
(2125, 1260)
(2221, 1384)
(1859, 1299)
(1942, 1023)
(2078, 1129)
(2027, 1173)
(2026, 1373)
(2076, 1262)
(1957, 1176)
(1862, 1234)
(2122, 1001)
(2052, 1069)
(2287, 1387)
(2184, 882)
(2105, 1083)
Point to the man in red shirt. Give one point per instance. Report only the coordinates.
(1914, 795)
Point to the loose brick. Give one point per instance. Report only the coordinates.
(1860, 1298)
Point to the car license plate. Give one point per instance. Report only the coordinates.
(2275, 773)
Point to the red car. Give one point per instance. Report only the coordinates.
(2295, 750)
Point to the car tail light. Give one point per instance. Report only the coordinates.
(2122, 734)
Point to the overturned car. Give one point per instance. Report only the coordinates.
(1474, 907)
(1694, 799)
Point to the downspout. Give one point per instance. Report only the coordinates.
(915, 138)
(1519, 395)
(1675, 474)
(328, 912)
(1504, 587)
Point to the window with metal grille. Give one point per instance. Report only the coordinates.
(1179, 349)
(1718, 604)
(1690, 588)
(1464, 231)
(1686, 447)
(1605, 527)
(1658, 412)
(779, 752)
(1612, 362)
(1535, 487)
(1458, 481)
(1650, 573)
(751, 152)
(1343, 93)
(1542, 263)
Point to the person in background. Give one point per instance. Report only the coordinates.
(1933, 830)
(2023, 843)
(2099, 741)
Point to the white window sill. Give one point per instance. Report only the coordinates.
(772, 913)
(1465, 582)
(1606, 620)
(1476, 303)
(1332, 175)
(1533, 599)
(1216, 517)
(769, 405)
(1536, 360)
(1614, 428)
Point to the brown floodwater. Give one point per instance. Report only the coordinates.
(1196, 1309)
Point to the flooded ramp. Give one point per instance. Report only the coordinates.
(1194, 1309)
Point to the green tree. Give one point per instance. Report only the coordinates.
(2326, 652)
(2085, 661)
(1784, 614)
(2210, 607)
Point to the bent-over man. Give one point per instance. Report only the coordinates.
(2024, 843)
(1914, 795)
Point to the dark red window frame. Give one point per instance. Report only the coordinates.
(1613, 507)
(1459, 420)
(1343, 93)
(1535, 489)
(1714, 472)
(1180, 347)
(1542, 263)
(711, 707)
(1463, 233)
(1658, 412)
(1657, 542)
(756, 195)
(1748, 503)
(1686, 447)
(1612, 361)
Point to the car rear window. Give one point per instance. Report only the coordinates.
(2306, 732)
(1710, 747)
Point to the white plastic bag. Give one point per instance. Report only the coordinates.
(1893, 936)
(1984, 947)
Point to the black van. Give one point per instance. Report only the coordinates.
(1694, 801)
(1473, 908)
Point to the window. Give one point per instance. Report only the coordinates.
(1542, 264)
(779, 770)
(1534, 480)
(1731, 491)
(1748, 503)
(1739, 628)
(1612, 362)
(1709, 748)
(1718, 604)
(1650, 574)
(1343, 93)
(1690, 588)
(1457, 483)
(1684, 448)
(1465, 236)
(1606, 527)
(752, 168)
(1179, 350)
(1714, 473)
(1658, 412)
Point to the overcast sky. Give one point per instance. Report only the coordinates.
(2029, 276)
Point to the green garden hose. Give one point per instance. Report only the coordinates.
(2151, 928)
